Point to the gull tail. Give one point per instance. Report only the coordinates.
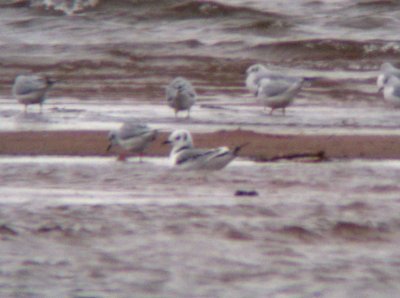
(238, 148)
(310, 79)
(307, 81)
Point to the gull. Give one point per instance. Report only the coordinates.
(131, 137)
(257, 72)
(386, 71)
(180, 95)
(254, 74)
(31, 89)
(278, 93)
(186, 157)
(273, 89)
(391, 91)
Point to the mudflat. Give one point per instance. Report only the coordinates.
(260, 146)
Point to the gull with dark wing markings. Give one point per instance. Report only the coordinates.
(186, 157)
(132, 137)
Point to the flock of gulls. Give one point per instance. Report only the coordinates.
(273, 89)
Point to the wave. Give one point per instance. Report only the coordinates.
(14, 3)
(151, 8)
(330, 49)
(65, 6)
(376, 3)
(68, 7)
(213, 9)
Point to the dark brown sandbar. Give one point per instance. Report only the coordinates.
(261, 146)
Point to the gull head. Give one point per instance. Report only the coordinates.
(255, 68)
(180, 138)
(387, 80)
(386, 66)
(179, 83)
(181, 87)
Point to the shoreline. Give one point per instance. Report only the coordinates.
(261, 146)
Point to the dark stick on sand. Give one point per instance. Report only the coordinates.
(315, 157)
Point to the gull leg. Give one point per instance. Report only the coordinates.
(121, 157)
(40, 110)
(283, 111)
(271, 112)
(188, 114)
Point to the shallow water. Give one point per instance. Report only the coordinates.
(96, 227)
(210, 114)
(132, 49)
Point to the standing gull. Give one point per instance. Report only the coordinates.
(254, 74)
(273, 89)
(31, 89)
(278, 93)
(131, 137)
(180, 95)
(184, 156)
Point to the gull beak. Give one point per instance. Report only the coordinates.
(109, 147)
(166, 142)
(380, 89)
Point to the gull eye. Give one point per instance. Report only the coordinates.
(178, 138)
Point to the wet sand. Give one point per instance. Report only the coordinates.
(260, 146)
(94, 227)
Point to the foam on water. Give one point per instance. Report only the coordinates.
(68, 7)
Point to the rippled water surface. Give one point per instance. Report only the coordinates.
(123, 49)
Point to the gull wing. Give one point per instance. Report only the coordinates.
(271, 88)
(132, 130)
(272, 76)
(396, 90)
(195, 155)
(27, 84)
